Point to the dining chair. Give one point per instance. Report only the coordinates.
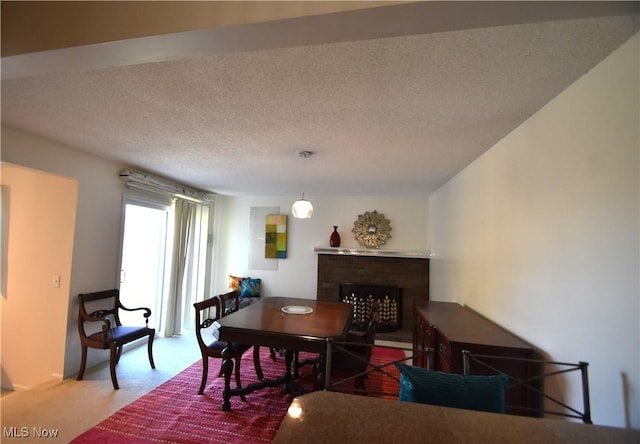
(99, 327)
(208, 312)
(350, 360)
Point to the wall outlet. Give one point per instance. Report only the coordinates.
(56, 281)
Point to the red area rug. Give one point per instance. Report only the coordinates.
(175, 413)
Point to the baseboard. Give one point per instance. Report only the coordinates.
(16, 388)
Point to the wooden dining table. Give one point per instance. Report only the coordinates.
(289, 324)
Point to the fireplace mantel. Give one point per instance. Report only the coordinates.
(369, 252)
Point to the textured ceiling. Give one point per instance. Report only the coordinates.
(393, 115)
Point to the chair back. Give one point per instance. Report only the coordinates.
(362, 343)
(229, 302)
(534, 385)
(207, 312)
(101, 304)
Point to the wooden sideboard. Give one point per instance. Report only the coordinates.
(449, 328)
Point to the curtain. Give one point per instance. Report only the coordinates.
(188, 270)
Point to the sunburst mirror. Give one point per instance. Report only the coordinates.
(372, 229)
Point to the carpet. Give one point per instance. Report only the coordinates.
(175, 413)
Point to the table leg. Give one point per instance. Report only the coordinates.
(227, 369)
(256, 362)
(288, 359)
(320, 372)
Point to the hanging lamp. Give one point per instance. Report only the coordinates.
(302, 208)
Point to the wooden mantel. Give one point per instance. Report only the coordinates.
(373, 252)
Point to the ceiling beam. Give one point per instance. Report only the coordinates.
(33, 26)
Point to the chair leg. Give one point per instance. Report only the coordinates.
(205, 373)
(256, 362)
(115, 354)
(150, 350)
(83, 363)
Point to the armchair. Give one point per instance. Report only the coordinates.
(102, 329)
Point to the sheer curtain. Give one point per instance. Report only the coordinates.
(186, 283)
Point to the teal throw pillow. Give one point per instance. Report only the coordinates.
(474, 392)
(250, 288)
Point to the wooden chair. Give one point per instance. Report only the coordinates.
(207, 313)
(350, 359)
(101, 328)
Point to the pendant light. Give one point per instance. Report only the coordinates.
(302, 208)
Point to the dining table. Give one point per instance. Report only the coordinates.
(283, 323)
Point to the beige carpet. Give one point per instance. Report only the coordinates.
(70, 407)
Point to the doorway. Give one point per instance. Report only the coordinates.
(165, 259)
(144, 261)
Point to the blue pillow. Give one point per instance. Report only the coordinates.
(474, 392)
(250, 288)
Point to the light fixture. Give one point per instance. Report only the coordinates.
(302, 208)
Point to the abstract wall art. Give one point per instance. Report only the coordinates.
(275, 243)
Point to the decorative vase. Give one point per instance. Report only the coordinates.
(334, 240)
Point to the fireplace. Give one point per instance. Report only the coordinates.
(411, 274)
(384, 300)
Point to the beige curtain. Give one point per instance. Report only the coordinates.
(187, 280)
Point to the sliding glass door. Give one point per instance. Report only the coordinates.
(165, 258)
(145, 261)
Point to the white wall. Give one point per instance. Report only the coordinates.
(297, 274)
(98, 221)
(541, 234)
(39, 211)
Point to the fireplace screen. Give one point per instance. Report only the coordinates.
(365, 298)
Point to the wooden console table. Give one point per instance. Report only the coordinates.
(449, 328)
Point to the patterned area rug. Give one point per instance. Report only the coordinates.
(175, 413)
